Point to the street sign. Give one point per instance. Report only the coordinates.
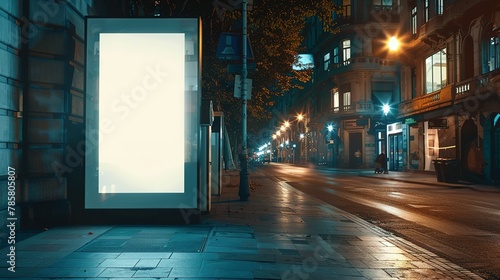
(230, 47)
(237, 87)
(236, 68)
(438, 123)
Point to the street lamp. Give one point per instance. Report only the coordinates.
(303, 143)
(393, 43)
(386, 109)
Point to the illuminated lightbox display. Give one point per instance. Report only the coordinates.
(142, 85)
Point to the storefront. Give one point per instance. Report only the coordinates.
(397, 147)
(427, 140)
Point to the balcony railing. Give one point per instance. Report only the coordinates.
(476, 86)
(480, 87)
(357, 107)
(442, 97)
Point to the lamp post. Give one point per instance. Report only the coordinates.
(303, 142)
(244, 191)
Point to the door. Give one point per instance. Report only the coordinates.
(396, 152)
(355, 144)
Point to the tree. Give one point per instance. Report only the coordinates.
(276, 33)
(275, 30)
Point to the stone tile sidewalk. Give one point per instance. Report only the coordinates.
(280, 233)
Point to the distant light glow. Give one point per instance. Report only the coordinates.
(330, 127)
(393, 44)
(386, 109)
(303, 62)
(301, 135)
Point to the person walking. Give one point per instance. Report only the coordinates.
(357, 158)
(381, 163)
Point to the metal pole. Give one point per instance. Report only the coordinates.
(244, 192)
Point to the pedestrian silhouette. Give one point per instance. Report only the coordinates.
(381, 163)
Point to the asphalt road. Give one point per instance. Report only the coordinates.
(459, 224)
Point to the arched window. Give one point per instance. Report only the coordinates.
(435, 71)
(491, 50)
(346, 51)
(468, 58)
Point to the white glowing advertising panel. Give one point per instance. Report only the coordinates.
(142, 121)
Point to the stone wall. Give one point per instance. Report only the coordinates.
(41, 107)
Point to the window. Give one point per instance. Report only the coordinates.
(347, 101)
(414, 20)
(435, 71)
(335, 100)
(346, 51)
(439, 7)
(346, 8)
(326, 62)
(382, 5)
(492, 54)
(336, 55)
(413, 82)
(426, 10)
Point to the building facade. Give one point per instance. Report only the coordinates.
(451, 62)
(440, 86)
(354, 77)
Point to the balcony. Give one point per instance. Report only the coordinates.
(355, 109)
(364, 63)
(323, 78)
(427, 102)
(480, 87)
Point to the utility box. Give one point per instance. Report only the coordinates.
(217, 152)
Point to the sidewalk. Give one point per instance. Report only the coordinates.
(280, 233)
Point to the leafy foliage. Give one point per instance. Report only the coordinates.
(275, 29)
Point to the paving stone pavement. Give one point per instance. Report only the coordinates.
(280, 233)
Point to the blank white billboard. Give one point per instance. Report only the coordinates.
(142, 113)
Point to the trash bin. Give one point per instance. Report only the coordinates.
(451, 170)
(447, 169)
(438, 166)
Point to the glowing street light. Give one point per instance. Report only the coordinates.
(386, 109)
(300, 117)
(287, 124)
(330, 127)
(393, 43)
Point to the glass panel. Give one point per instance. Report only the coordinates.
(414, 20)
(346, 46)
(439, 7)
(326, 60)
(435, 71)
